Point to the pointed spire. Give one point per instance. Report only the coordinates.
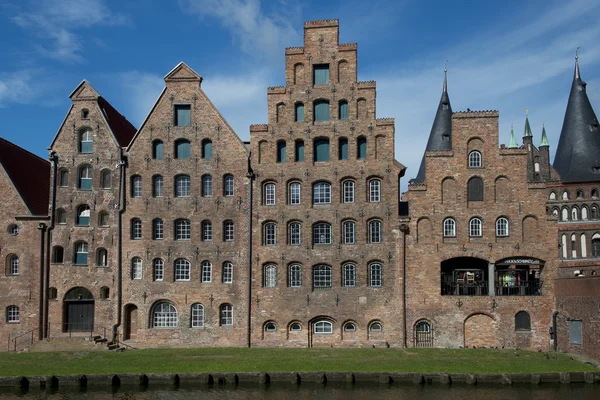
(577, 75)
(440, 137)
(445, 88)
(512, 144)
(578, 152)
(544, 142)
(527, 132)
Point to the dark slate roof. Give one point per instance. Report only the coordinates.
(578, 153)
(440, 137)
(120, 127)
(29, 173)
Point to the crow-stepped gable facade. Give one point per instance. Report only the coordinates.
(180, 234)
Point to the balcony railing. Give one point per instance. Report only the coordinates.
(526, 288)
(462, 288)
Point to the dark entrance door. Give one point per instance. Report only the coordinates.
(130, 322)
(78, 311)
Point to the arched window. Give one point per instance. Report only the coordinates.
(226, 315)
(13, 315)
(164, 315)
(323, 327)
(86, 141)
(182, 149)
(228, 185)
(197, 316)
(361, 148)
(136, 268)
(522, 321)
(502, 227)
(227, 273)
(83, 215)
(182, 270)
(552, 196)
(207, 148)
(375, 275)
(206, 276)
(157, 186)
(270, 327)
(136, 186)
(294, 193)
(13, 229)
(563, 245)
(85, 177)
(321, 150)
(349, 275)
(158, 270)
(596, 245)
(158, 229)
(182, 186)
(321, 110)
(573, 246)
(475, 159)
(207, 231)
(270, 276)
(207, 187)
(158, 150)
(449, 227)
(475, 227)
(81, 253)
(105, 181)
(295, 275)
(295, 327)
(101, 257)
(349, 232)
(376, 327)
(295, 233)
(322, 277)
(322, 233)
(349, 327)
(183, 229)
(565, 195)
(342, 148)
(105, 293)
(58, 254)
(583, 241)
(269, 194)
(299, 115)
(374, 190)
(52, 293)
(574, 214)
(299, 151)
(375, 231)
(348, 195)
(13, 265)
(322, 193)
(565, 214)
(594, 193)
(584, 213)
(280, 112)
(343, 110)
(136, 229)
(270, 234)
(475, 189)
(579, 194)
(103, 219)
(228, 231)
(63, 179)
(281, 151)
(594, 212)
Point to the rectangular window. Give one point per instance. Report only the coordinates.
(349, 234)
(343, 150)
(281, 152)
(159, 270)
(227, 276)
(158, 230)
(294, 193)
(348, 192)
(321, 74)
(322, 193)
(299, 151)
(322, 276)
(206, 272)
(228, 232)
(295, 276)
(321, 109)
(182, 115)
(295, 234)
(349, 275)
(575, 330)
(375, 275)
(299, 112)
(207, 232)
(374, 191)
(321, 150)
(228, 186)
(269, 194)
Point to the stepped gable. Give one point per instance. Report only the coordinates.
(29, 173)
(578, 153)
(440, 137)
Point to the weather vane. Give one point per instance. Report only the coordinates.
(527, 112)
(446, 66)
(576, 52)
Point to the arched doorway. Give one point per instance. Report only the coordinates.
(78, 310)
(480, 331)
(131, 322)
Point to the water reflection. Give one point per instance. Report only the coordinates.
(306, 391)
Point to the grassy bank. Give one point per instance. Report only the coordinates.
(281, 360)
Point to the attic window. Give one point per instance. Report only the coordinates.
(85, 113)
(445, 137)
(182, 115)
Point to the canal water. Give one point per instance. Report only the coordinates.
(330, 391)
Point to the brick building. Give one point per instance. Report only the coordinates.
(179, 234)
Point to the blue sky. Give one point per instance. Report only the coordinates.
(507, 56)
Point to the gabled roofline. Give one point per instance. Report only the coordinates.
(146, 119)
(78, 86)
(62, 124)
(181, 63)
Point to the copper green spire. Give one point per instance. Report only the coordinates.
(544, 141)
(527, 132)
(512, 144)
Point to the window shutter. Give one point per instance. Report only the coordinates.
(299, 112)
(322, 111)
(343, 110)
(475, 189)
(362, 148)
(321, 150)
(321, 74)
(343, 149)
(299, 151)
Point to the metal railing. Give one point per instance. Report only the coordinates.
(526, 288)
(464, 288)
(22, 341)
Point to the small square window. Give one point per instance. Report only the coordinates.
(182, 115)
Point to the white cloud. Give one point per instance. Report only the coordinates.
(256, 31)
(54, 23)
(22, 87)
(139, 90)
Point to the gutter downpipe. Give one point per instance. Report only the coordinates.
(54, 161)
(42, 229)
(251, 177)
(122, 167)
(404, 285)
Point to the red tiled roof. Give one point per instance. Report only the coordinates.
(120, 127)
(29, 173)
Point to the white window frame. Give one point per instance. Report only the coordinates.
(226, 315)
(374, 190)
(158, 270)
(136, 186)
(349, 232)
(349, 275)
(13, 315)
(375, 275)
(295, 271)
(158, 229)
(502, 227)
(13, 266)
(227, 274)
(183, 229)
(228, 185)
(322, 276)
(182, 270)
(206, 272)
(197, 316)
(164, 315)
(269, 194)
(349, 186)
(207, 231)
(157, 186)
(228, 231)
(322, 193)
(270, 234)
(295, 233)
(136, 229)
(295, 191)
(136, 268)
(375, 231)
(475, 159)
(449, 227)
(323, 327)
(270, 276)
(475, 227)
(322, 233)
(183, 186)
(207, 186)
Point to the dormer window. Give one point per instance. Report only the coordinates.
(321, 74)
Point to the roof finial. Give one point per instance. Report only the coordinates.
(526, 112)
(445, 76)
(577, 76)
